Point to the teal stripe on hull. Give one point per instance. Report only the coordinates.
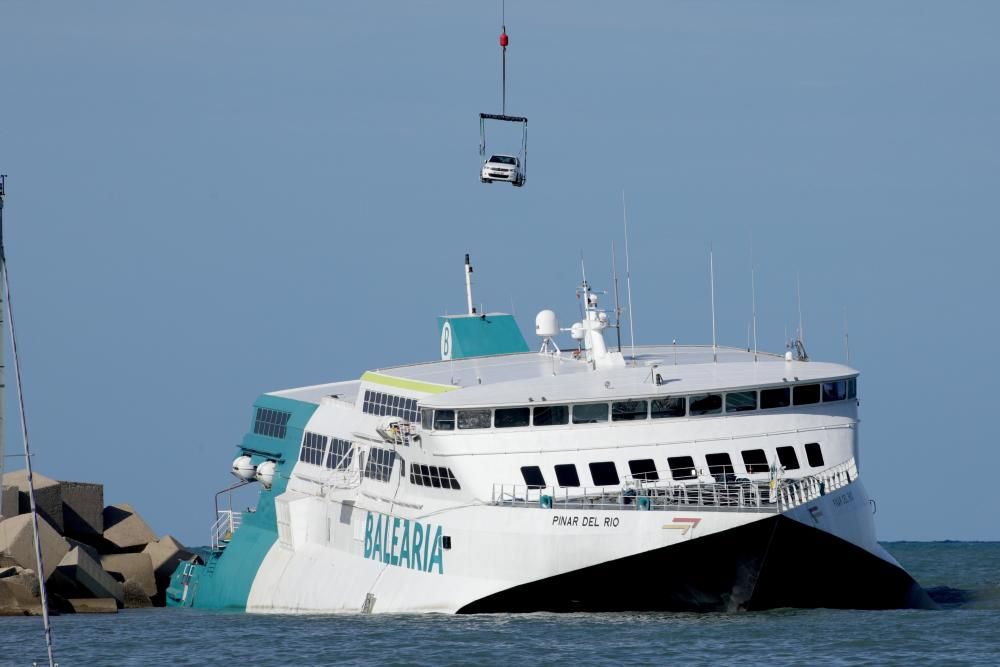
(224, 582)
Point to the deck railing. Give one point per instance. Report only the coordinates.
(773, 495)
(224, 527)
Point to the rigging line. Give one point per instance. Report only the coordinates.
(43, 594)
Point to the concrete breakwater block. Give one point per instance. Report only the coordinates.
(166, 554)
(9, 505)
(82, 571)
(125, 529)
(19, 595)
(17, 541)
(83, 508)
(137, 568)
(135, 595)
(93, 605)
(48, 496)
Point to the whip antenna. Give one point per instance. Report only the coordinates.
(711, 274)
(628, 282)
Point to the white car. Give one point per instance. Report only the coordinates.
(502, 168)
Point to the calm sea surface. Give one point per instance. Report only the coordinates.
(963, 576)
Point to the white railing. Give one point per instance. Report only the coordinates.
(774, 494)
(224, 528)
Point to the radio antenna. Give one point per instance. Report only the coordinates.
(847, 339)
(628, 282)
(711, 273)
(798, 298)
(618, 308)
(753, 297)
(468, 285)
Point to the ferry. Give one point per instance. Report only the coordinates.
(503, 478)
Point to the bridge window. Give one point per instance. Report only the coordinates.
(511, 417)
(644, 469)
(775, 398)
(628, 410)
(719, 465)
(533, 477)
(741, 401)
(379, 464)
(566, 475)
(706, 404)
(671, 406)
(444, 420)
(271, 423)
(313, 448)
(805, 394)
(473, 419)
(590, 413)
(380, 404)
(814, 454)
(682, 467)
(604, 473)
(551, 415)
(787, 458)
(834, 391)
(852, 388)
(340, 455)
(755, 460)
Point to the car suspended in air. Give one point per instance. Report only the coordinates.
(502, 166)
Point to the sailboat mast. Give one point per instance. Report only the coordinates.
(3, 369)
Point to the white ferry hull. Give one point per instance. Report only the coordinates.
(511, 559)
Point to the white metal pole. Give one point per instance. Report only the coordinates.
(711, 273)
(468, 283)
(3, 367)
(628, 283)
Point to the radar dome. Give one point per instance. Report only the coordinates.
(265, 473)
(546, 324)
(244, 468)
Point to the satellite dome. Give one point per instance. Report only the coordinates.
(546, 324)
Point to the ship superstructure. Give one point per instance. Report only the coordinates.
(502, 479)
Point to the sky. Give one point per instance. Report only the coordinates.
(208, 201)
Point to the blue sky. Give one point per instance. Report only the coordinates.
(207, 201)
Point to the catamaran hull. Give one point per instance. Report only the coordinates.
(505, 559)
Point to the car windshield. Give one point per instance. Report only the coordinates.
(503, 159)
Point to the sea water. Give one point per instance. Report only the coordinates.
(964, 577)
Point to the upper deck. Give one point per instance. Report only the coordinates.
(513, 379)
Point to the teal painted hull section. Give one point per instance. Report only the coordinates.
(224, 581)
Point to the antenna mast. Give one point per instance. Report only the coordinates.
(753, 296)
(503, 51)
(628, 282)
(618, 308)
(3, 360)
(711, 273)
(24, 434)
(847, 338)
(798, 299)
(468, 285)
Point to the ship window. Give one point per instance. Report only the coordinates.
(719, 464)
(787, 458)
(341, 453)
(671, 406)
(774, 398)
(814, 454)
(426, 418)
(834, 391)
(706, 404)
(533, 477)
(852, 388)
(805, 394)
(755, 461)
(551, 415)
(604, 473)
(433, 476)
(379, 464)
(628, 410)
(271, 423)
(512, 417)
(313, 448)
(682, 467)
(741, 401)
(444, 420)
(590, 413)
(644, 469)
(381, 404)
(473, 419)
(566, 475)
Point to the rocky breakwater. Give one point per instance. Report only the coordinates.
(97, 558)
